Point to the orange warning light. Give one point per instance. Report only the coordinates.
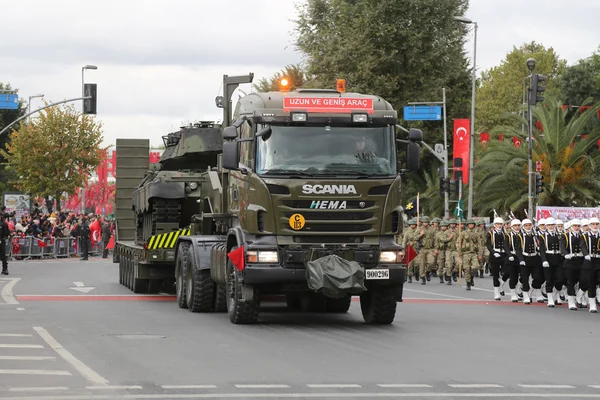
(340, 85)
(284, 85)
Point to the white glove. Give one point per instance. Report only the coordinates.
(496, 255)
(588, 258)
(522, 263)
(511, 258)
(545, 264)
(568, 256)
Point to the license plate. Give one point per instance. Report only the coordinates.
(378, 274)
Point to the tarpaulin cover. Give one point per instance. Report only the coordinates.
(335, 277)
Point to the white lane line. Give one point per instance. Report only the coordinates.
(16, 335)
(20, 346)
(20, 309)
(594, 386)
(438, 294)
(33, 372)
(113, 387)
(7, 293)
(475, 385)
(262, 386)
(546, 386)
(78, 284)
(188, 386)
(37, 389)
(83, 369)
(333, 385)
(403, 385)
(26, 358)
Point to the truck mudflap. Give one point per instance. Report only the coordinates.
(335, 277)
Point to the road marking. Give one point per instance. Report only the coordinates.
(80, 287)
(594, 386)
(475, 385)
(262, 386)
(6, 293)
(16, 335)
(26, 358)
(37, 389)
(78, 284)
(546, 386)
(188, 386)
(83, 369)
(21, 346)
(403, 385)
(333, 385)
(75, 297)
(20, 309)
(112, 387)
(33, 372)
(438, 294)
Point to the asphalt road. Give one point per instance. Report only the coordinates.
(69, 331)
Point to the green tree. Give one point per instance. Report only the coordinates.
(581, 81)
(294, 73)
(55, 153)
(500, 90)
(6, 117)
(569, 162)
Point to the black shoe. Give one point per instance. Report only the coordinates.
(441, 279)
(434, 273)
(468, 285)
(472, 281)
(417, 276)
(428, 276)
(454, 276)
(410, 279)
(423, 281)
(449, 283)
(481, 273)
(4, 272)
(487, 269)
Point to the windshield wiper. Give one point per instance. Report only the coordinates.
(286, 172)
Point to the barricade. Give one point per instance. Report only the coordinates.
(8, 248)
(64, 247)
(28, 247)
(21, 248)
(94, 248)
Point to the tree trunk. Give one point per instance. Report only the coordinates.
(57, 198)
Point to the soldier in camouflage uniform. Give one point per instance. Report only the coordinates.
(411, 238)
(485, 253)
(470, 252)
(442, 238)
(425, 257)
(452, 254)
(435, 223)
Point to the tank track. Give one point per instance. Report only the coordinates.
(162, 211)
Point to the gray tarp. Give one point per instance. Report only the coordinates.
(335, 277)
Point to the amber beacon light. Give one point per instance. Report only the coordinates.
(341, 85)
(284, 85)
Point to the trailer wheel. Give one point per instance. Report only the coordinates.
(378, 305)
(220, 298)
(339, 306)
(121, 279)
(138, 285)
(200, 288)
(154, 285)
(127, 271)
(180, 268)
(240, 312)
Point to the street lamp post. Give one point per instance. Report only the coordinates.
(82, 107)
(531, 66)
(29, 105)
(465, 20)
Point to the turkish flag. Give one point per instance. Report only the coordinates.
(484, 137)
(111, 243)
(409, 255)
(462, 144)
(516, 142)
(41, 243)
(237, 258)
(95, 228)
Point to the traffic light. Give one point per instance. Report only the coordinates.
(539, 184)
(89, 105)
(536, 91)
(444, 186)
(456, 184)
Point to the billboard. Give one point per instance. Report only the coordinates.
(9, 101)
(566, 213)
(18, 202)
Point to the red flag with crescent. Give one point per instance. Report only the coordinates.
(462, 144)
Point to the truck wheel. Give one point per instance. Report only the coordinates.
(180, 269)
(378, 305)
(138, 285)
(220, 298)
(121, 280)
(127, 272)
(200, 288)
(340, 306)
(115, 255)
(313, 303)
(293, 302)
(240, 312)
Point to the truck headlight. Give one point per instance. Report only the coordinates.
(391, 257)
(170, 254)
(193, 185)
(254, 256)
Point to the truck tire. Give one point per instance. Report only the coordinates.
(200, 288)
(138, 285)
(154, 285)
(313, 303)
(220, 298)
(180, 269)
(339, 306)
(240, 312)
(378, 305)
(121, 274)
(293, 302)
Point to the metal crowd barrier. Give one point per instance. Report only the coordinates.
(28, 247)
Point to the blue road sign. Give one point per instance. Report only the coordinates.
(9, 101)
(422, 113)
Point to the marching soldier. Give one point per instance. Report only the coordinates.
(411, 238)
(452, 254)
(482, 232)
(585, 226)
(531, 264)
(591, 263)
(442, 238)
(571, 247)
(552, 261)
(559, 226)
(425, 257)
(513, 247)
(497, 254)
(469, 251)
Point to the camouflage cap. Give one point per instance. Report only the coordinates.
(425, 219)
(453, 221)
(470, 221)
(412, 221)
(444, 223)
(436, 219)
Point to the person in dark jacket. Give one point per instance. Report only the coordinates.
(4, 234)
(105, 238)
(84, 236)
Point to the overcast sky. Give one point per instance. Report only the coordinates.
(161, 62)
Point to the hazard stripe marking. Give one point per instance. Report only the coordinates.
(168, 241)
(151, 242)
(162, 240)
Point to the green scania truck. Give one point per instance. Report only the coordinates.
(304, 201)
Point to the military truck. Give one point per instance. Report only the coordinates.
(158, 201)
(304, 202)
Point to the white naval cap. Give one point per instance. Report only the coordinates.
(585, 222)
(498, 220)
(542, 222)
(567, 224)
(550, 221)
(526, 221)
(575, 221)
(515, 222)
(594, 220)
(559, 222)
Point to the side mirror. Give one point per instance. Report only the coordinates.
(413, 156)
(230, 133)
(231, 155)
(415, 135)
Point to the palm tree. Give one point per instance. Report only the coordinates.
(567, 148)
(427, 184)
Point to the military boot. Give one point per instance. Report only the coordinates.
(481, 273)
(5, 271)
(455, 276)
(423, 281)
(428, 276)
(441, 278)
(410, 279)
(468, 285)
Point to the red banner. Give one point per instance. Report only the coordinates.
(327, 104)
(484, 137)
(462, 144)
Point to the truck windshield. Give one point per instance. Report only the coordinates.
(327, 150)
